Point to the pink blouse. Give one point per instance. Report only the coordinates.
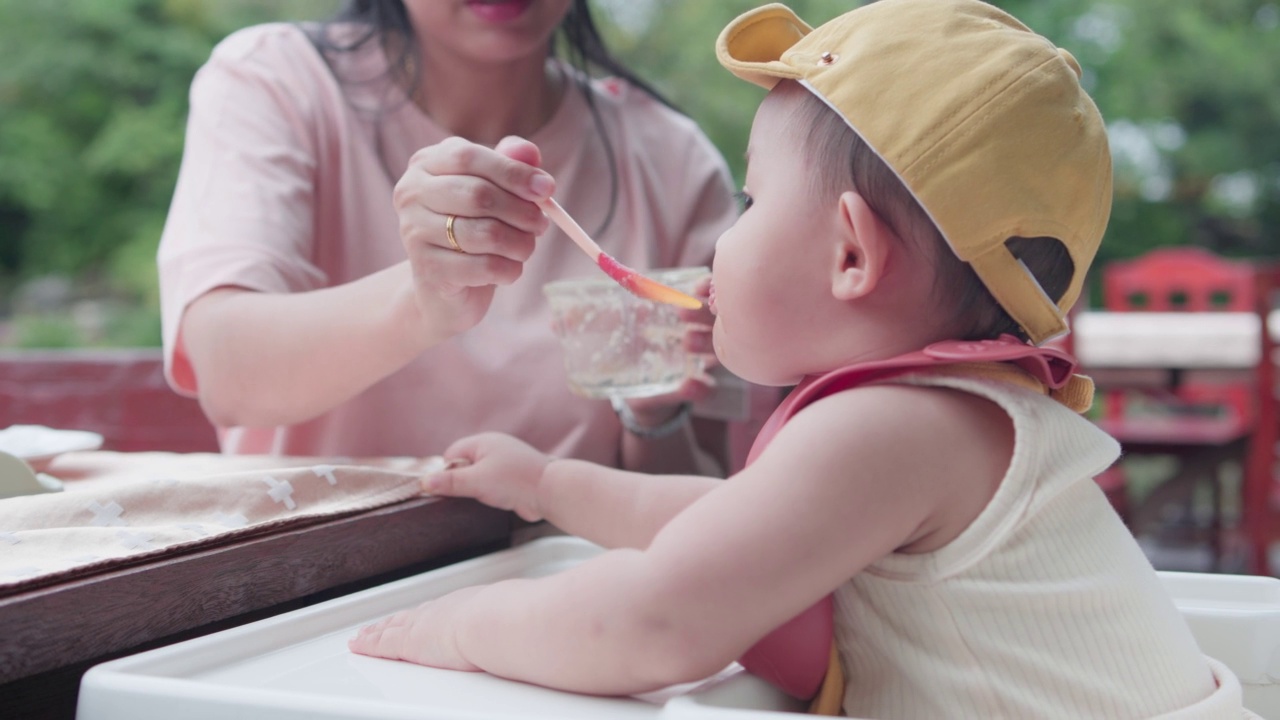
(286, 186)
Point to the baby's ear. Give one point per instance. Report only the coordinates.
(862, 245)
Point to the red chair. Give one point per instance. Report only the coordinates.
(1181, 279)
(1259, 522)
(1208, 422)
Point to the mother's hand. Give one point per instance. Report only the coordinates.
(489, 195)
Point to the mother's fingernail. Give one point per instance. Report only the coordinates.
(542, 185)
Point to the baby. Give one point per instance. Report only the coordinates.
(927, 185)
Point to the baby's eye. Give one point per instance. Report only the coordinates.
(744, 200)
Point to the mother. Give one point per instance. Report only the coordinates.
(311, 296)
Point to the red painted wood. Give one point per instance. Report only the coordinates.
(1178, 279)
(120, 393)
(1260, 521)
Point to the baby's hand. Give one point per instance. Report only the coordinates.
(422, 635)
(496, 469)
(698, 323)
(653, 410)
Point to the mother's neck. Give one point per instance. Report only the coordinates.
(485, 103)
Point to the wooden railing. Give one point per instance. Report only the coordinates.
(120, 393)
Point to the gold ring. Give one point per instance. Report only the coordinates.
(448, 233)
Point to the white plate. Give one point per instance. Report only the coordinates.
(38, 445)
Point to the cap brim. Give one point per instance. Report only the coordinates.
(752, 46)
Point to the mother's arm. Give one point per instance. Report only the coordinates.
(264, 359)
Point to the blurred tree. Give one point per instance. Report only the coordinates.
(1189, 91)
(93, 98)
(672, 44)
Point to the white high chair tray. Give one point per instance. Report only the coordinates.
(296, 665)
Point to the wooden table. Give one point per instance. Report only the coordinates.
(50, 635)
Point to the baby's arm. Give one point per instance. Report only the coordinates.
(612, 508)
(616, 508)
(818, 506)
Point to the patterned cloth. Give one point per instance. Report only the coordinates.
(122, 508)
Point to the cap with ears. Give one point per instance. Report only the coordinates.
(985, 122)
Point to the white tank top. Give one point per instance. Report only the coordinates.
(1043, 607)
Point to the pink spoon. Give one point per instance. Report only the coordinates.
(637, 284)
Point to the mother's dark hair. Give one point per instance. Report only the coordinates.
(387, 20)
(578, 39)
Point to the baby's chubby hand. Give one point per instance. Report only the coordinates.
(653, 410)
(698, 324)
(496, 469)
(422, 635)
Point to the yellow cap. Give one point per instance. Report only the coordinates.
(983, 120)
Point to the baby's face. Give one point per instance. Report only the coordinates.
(771, 275)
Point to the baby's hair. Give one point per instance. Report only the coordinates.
(842, 158)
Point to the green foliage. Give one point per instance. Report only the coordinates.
(1189, 92)
(93, 102)
(93, 98)
(675, 51)
(1188, 89)
(43, 331)
(94, 106)
(133, 326)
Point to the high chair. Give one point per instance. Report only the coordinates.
(296, 664)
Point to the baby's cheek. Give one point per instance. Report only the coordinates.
(732, 350)
(717, 340)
